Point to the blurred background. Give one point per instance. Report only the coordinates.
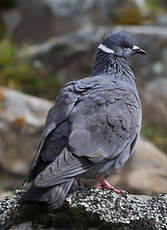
(45, 43)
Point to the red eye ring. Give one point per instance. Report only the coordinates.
(125, 46)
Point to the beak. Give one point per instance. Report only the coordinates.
(138, 50)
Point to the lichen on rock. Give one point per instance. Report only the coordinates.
(133, 210)
(87, 208)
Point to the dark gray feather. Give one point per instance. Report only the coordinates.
(91, 130)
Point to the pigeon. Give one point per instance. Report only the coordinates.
(92, 128)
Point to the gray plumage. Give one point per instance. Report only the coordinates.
(93, 126)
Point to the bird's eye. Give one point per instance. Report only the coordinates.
(125, 46)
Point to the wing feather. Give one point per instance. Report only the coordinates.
(102, 126)
(63, 106)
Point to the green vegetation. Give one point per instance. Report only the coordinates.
(17, 73)
(154, 4)
(64, 217)
(157, 135)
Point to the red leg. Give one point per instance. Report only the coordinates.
(80, 184)
(105, 184)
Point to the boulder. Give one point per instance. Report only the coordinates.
(161, 19)
(87, 209)
(5, 194)
(71, 55)
(144, 173)
(22, 109)
(21, 119)
(37, 21)
(155, 100)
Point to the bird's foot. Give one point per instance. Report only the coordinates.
(80, 185)
(105, 184)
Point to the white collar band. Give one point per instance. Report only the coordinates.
(135, 47)
(106, 49)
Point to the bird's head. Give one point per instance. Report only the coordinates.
(120, 44)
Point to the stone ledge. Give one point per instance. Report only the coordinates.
(87, 209)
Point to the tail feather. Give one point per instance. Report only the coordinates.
(52, 181)
(53, 197)
(34, 171)
(64, 167)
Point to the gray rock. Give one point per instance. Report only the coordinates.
(16, 105)
(144, 173)
(68, 8)
(21, 119)
(66, 54)
(37, 21)
(161, 19)
(28, 226)
(154, 100)
(25, 226)
(18, 145)
(95, 208)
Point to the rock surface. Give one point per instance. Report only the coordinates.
(53, 15)
(144, 173)
(22, 109)
(155, 100)
(61, 16)
(21, 119)
(66, 54)
(147, 170)
(87, 209)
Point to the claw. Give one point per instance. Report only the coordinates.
(105, 184)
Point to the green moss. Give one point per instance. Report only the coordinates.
(110, 226)
(7, 52)
(157, 135)
(64, 217)
(18, 73)
(154, 5)
(29, 212)
(117, 212)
